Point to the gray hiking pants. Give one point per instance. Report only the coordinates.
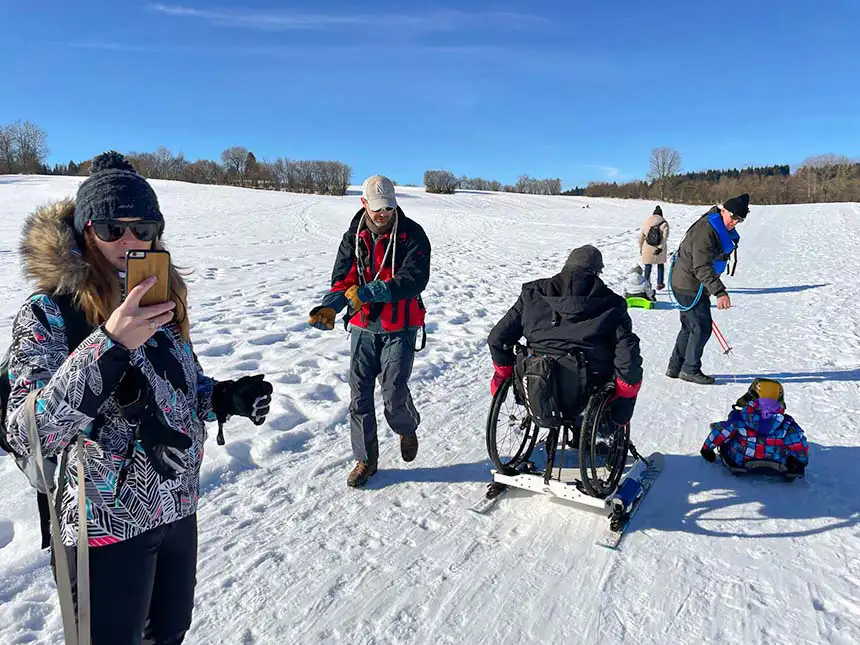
(389, 357)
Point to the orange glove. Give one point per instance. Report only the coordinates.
(351, 294)
(322, 318)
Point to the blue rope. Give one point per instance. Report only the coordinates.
(671, 293)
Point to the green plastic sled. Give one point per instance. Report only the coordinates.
(639, 303)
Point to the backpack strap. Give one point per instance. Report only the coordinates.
(76, 624)
(75, 321)
(76, 632)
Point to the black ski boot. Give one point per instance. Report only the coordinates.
(697, 377)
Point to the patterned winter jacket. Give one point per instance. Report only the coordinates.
(77, 397)
(747, 436)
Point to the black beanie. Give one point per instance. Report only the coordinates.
(587, 257)
(658, 210)
(739, 205)
(114, 190)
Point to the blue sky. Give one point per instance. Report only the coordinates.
(577, 90)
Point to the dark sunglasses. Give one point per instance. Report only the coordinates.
(111, 230)
(387, 209)
(738, 218)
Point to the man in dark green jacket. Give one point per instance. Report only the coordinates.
(700, 260)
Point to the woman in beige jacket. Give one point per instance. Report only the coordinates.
(655, 253)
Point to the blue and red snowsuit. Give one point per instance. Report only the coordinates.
(751, 435)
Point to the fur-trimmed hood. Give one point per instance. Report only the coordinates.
(50, 256)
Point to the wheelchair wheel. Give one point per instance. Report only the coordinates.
(511, 435)
(603, 447)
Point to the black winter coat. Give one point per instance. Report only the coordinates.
(572, 310)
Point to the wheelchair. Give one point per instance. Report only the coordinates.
(512, 435)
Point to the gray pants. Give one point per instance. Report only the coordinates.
(389, 357)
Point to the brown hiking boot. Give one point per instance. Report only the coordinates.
(409, 446)
(360, 474)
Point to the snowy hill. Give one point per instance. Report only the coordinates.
(288, 554)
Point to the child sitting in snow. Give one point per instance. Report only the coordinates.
(759, 430)
(637, 286)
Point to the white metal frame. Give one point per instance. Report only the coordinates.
(564, 490)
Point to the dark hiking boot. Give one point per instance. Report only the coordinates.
(660, 287)
(360, 474)
(698, 378)
(673, 372)
(409, 446)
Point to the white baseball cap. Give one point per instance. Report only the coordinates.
(379, 192)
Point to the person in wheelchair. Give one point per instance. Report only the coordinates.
(568, 313)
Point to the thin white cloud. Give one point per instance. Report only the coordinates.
(609, 172)
(109, 46)
(447, 20)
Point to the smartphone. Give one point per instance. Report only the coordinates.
(139, 265)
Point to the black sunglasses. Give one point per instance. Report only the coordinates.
(111, 230)
(738, 218)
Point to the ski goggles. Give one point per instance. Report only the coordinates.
(110, 230)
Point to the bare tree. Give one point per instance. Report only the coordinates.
(203, 171)
(235, 161)
(664, 163)
(30, 145)
(8, 162)
(440, 181)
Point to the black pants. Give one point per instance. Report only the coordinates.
(142, 589)
(694, 334)
(388, 357)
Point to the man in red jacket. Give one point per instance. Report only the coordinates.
(382, 266)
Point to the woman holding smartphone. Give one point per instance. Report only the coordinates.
(126, 406)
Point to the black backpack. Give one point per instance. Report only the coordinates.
(77, 330)
(655, 235)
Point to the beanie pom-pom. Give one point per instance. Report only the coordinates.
(111, 160)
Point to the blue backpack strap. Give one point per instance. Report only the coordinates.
(728, 240)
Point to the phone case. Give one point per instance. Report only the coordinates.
(139, 265)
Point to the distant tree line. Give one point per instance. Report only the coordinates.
(821, 178)
(446, 182)
(238, 167)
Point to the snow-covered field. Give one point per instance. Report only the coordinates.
(288, 554)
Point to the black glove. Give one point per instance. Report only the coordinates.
(250, 397)
(793, 466)
(165, 447)
(708, 454)
(621, 410)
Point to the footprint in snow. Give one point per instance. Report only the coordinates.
(286, 421)
(268, 339)
(322, 393)
(217, 350)
(7, 533)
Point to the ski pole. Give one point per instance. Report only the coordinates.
(724, 344)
